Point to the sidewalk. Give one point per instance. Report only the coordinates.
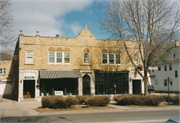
(10, 108)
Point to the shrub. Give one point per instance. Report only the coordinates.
(175, 99)
(58, 102)
(138, 100)
(82, 99)
(98, 101)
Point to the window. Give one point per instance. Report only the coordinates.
(111, 58)
(51, 57)
(156, 81)
(66, 57)
(29, 57)
(170, 67)
(153, 71)
(165, 67)
(86, 58)
(176, 74)
(2, 70)
(159, 68)
(174, 55)
(171, 82)
(59, 57)
(165, 82)
(135, 59)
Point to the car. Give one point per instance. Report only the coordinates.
(150, 88)
(173, 120)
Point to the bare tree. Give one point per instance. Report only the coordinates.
(153, 24)
(6, 17)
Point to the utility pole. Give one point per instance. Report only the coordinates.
(168, 91)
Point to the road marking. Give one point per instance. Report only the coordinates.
(141, 121)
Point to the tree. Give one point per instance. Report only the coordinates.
(153, 24)
(6, 18)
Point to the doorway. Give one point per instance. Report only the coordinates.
(29, 89)
(86, 85)
(136, 86)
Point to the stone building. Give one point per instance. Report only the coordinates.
(82, 65)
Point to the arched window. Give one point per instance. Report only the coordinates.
(86, 85)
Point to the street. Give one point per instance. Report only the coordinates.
(155, 116)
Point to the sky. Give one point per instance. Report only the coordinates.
(63, 17)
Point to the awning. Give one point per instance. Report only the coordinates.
(59, 74)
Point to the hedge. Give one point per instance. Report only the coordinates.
(97, 101)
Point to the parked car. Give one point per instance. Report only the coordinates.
(150, 88)
(173, 120)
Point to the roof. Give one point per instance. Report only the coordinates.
(59, 74)
(163, 57)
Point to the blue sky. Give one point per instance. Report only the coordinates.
(64, 17)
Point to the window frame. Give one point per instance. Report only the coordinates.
(27, 61)
(137, 59)
(3, 71)
(87, 58)
(165, 67)
(63, 58)
(108, 59)
(165, 82)
(170, 67)
(176, 74)
(159, 68)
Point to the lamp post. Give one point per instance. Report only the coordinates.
(168, 91)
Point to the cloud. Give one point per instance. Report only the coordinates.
(31, 16)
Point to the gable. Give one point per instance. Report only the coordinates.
(174, 54)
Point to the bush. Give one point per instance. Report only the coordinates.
(150, 100)
(58, 101)
(82, 99)
(98, 101)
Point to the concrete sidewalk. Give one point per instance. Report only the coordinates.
(10, 108)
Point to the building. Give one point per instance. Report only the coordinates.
(82, 65)
(5, 77)
(168, 67)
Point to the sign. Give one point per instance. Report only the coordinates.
(58, 92)
(153, 68)
(29, 75)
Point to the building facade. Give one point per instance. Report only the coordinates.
(82, 65)
(168, 67)
(5, 77)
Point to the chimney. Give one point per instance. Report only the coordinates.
(176, 43)
(37, 32)
(21, 31)
(57, 35)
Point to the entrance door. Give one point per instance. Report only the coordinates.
(136, 86)
(86, 85)
(29, 88)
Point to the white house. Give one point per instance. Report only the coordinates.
(168, 67)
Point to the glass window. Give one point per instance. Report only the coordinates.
(159, 68)
(135, 59)
(66, 57)
(171, 82)
(59, 57)
(2, 70)
(51, 57)
(165, 82)
(111, 58)
(86, 57)
(118, 59)
(165, 68)
(176, 74)
(29, 57)
(170, 67)
(104, 58)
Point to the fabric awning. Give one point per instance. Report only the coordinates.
(59, 74)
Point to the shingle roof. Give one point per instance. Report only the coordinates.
(59, 74)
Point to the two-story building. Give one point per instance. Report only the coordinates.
(168, 67)
(82, 65)
(5, 77)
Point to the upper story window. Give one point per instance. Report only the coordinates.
(59, 57)
(135, 59)
(2, 70)
(176, 74)
(174, 55)
(110, 58)
(29, 57)
(165, 82)
(170, 67)
(165, 67)
(86, 58)
(159, 68)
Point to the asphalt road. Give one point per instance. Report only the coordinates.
(156, 116)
